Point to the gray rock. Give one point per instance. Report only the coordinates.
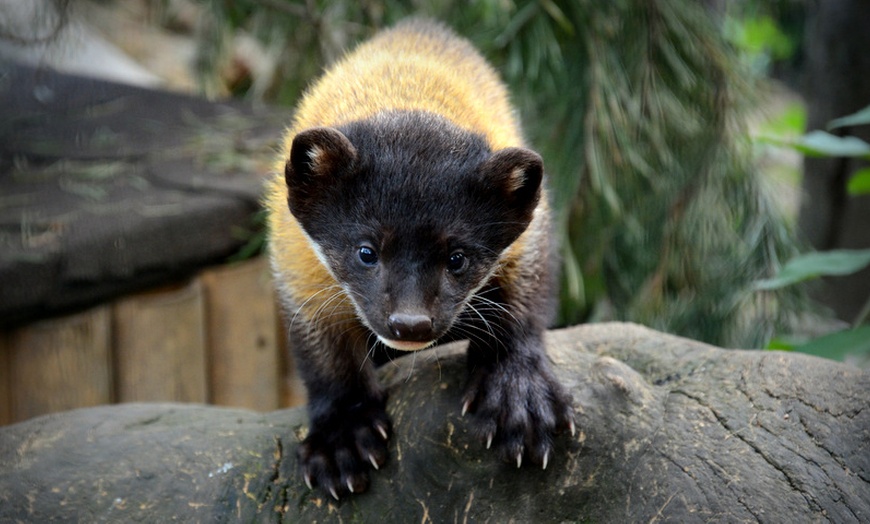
(668, 430)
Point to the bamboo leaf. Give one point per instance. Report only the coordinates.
(859, 183)
(558, 16)
(792, 121)
(859, 118)
(822, 143)
(759, 35)
(813, 265)
(837, 346)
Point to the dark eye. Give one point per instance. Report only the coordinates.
(457, 263)
(367, 255)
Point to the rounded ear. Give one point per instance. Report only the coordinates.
(318, 152)
(518, 173)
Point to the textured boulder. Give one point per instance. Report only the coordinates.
(668, 429)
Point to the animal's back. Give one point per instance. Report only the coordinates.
(417, 65)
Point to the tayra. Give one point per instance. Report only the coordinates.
(408, 211)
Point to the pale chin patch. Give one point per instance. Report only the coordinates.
(405, 345)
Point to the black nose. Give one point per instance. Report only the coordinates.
(410, 327)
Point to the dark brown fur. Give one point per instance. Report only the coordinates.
(407, 226)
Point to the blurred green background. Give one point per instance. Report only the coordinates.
(674, 134)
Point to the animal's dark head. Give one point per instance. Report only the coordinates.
(410, 213)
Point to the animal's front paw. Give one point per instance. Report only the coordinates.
(519, 409)
(338, 452)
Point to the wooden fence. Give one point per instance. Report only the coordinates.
(215, 339)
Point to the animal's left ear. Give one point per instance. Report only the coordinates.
(318, 158)
(517, 172)
(318, 153)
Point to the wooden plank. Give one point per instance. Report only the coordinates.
(5, 381)
(160, 346)
(293, 391)
(242, 339)
(60, 364)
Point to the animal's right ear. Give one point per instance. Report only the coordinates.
(317, 155)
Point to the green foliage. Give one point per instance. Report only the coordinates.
(665, 222)
(859, 182)
(817, 264)
(756, 31)
(791, 121)
(820, 143)
(254, 237)
(861, 117)
(809, 266)
(638, 109)
(840, 344)
(760, 39)
(851, 343)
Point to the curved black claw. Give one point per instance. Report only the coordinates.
(519, 411)
(339, 452)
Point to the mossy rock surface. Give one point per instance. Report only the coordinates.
(668, 430)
